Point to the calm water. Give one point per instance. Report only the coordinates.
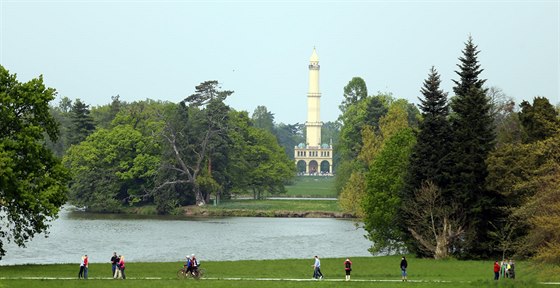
(169, 239)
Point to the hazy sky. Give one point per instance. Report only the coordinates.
(260, 49)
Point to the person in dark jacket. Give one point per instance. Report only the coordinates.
(348, 268)
(404, 265)
(114, 262)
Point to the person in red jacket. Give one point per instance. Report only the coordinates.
(121, 266)
(348, 268)
(86, 266)
(496, 270)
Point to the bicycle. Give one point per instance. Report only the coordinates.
(183, 274)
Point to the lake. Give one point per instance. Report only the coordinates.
(164, 239)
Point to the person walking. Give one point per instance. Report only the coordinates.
(81, 273)
(114, 262)
(348, 268)
(503, 269)
(121, 266)
(118, 274)
(194, 266)
(86, 266)
(317, 269)
(497, 267)
(404, 265)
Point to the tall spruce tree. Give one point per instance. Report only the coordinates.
(473, 139)
(82, 122)
(429, 160)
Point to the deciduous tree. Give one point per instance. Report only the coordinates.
(189, 133)
(384, 182)
(32, 180)
(539, 120)
(112, 167)
(432, 222)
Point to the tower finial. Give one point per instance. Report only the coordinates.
(314, 56)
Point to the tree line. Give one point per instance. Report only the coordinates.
(470, 176)
(168, 154)
(126, 154)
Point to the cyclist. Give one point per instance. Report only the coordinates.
(194, 265)
(187, 264)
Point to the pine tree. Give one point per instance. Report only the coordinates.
(434, 138)
(430, 156)
(473, 139)
(82, 122)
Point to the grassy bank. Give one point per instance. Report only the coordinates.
(271, 208)
(312, 186)
(303, 187)
(256, 208)
(367, 272)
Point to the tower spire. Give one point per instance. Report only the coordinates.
(313, 158)
(313, 124)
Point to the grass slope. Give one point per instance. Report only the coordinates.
(367, 272)
(312, 186)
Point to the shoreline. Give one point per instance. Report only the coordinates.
(202, 212)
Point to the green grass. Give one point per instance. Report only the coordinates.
(449, 273)
(271, 208)
(285, 205)
(312, 186)
(303, 187)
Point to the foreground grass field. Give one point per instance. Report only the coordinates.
(367, 272)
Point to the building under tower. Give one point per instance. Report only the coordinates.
(314, 157)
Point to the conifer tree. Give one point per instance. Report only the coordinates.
(473, 139)
(82, 122)
(429, 160)
(430, 154)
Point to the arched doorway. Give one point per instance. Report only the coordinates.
(301, 167)
(325, 167)
(313, 167)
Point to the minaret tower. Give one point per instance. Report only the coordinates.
(312, 157)
(313, 123)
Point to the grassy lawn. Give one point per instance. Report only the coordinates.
(303, 187)
(270, 208)
(367, 272)
(286, 205)
(312, 186)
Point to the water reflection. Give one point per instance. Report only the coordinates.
(168, 238)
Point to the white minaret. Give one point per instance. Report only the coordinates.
(313, 123)
(314, 158)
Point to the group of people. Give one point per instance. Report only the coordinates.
(317, 275)
(505, 269)
(84, 265)
(117, 263)
(118, 266)
(191, 265)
